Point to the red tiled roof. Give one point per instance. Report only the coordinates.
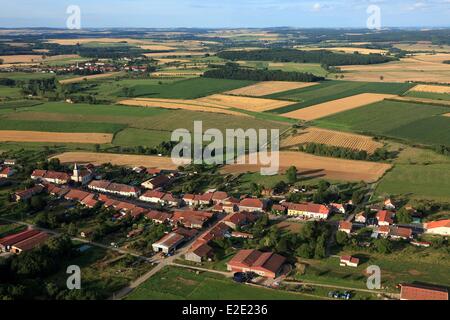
(159, 181)
(154, 194)
(385, 216)
(205, 197)
(219, 196)
(252, 203)
(350, 259)
(158, 215)
(257, 260)
(32, 242)
(100, 184)
(6, 171)
(309, 207)
(438, 224)
(203, 250)
(169, 197)
(401, 232)
(345, 225)
(423, 292)
(38, 173)
(89, 201)
(77, 195)
(383, 229)
(18, 237)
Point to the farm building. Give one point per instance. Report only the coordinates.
(191, 219)
(441, 227)
(50, 176)
(114, 188)
(400, 233)
(349, 261)
(22, 241)
(158, 217)
(252, 205)
(156, 182)
(346, 227)
(423, 292)
(28, 193)
(200, 250)
(239, 219)
(265, 264)
(308, 210)
(169, 243)
(29, 243)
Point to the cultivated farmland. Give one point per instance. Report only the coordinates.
(314, 167)
(336, 106)
(269, 87)
(92, 77)
(245, 103)
(415, 122)
(332, 138)
(190, 105)
(57, 137)
(117, 159)
(431, 88)
(333, 90)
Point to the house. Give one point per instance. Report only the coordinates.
(239, 219)
(83, 176)
(349, 261)
(252, 205)
(308, 211)
(219, 197)
(50, 176)
(265, 264)
(170, 200)
(89, 201)
(397, 233)
(385, 218)
(158, 217)
(338, 208)
(29, 243)
(218, 208)
(441, 227)
(423, 292)
(191, 219)
(383, 231)
(152, 196)
(169, 243)
(114, 188)
(346, 226)
(28, 193)
(361, 217)
(156, 182)
(200, 250)
(76, 195)
(10, 162)
(199, 253)
(230, 205)
(423, 244)
(389, 205)
(205, 199)
(242, 235)
(279, 209)
(191, 200)
(6, 243)
(6, 172)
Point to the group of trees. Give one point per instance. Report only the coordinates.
(40, 87)
(344, 153)
(324, 57)
(234, 71)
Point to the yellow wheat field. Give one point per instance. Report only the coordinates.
(431, 88)
(175, 54)
(332, 138)
(118, 159)
(345, 50)
(317, 167)
(191, 105)
(336, 106)
(92, 77)
(269, 87)
(245, 103)
(57, 137)
(72, 42)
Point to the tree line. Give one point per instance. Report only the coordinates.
(234, 71)
(323, 57)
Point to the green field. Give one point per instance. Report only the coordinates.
(417, 181)
(332, 90)
(10, 92)
(314, 68)
(25, 76)
(182, 284)
(404, 120)
(139, 137)
(49, 126)
(429, 95)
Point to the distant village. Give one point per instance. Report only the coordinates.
(195, 220)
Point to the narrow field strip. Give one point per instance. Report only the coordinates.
(332, 107)
(245, 103)
(57, 137)
(332, 138)
(431, 88)
(92, 77)
(269, 87)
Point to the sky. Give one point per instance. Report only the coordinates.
(224, 13)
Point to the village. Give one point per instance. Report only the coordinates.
(194, 230)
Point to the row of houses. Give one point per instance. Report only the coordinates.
(82, 176)
(119, 189)
(23, 241)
